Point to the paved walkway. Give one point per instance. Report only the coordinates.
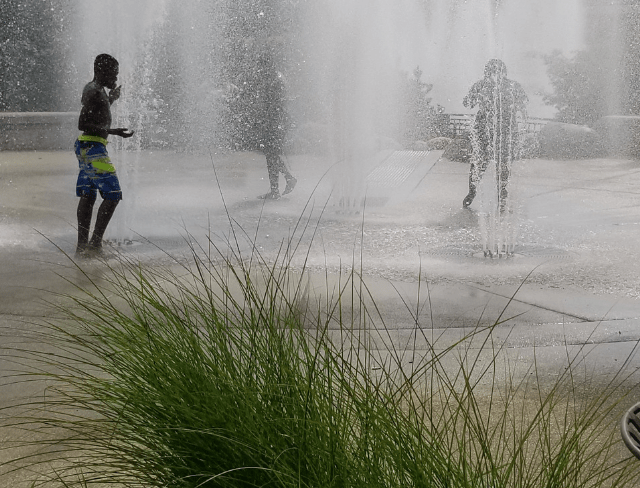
(571, 290)
(574, 277)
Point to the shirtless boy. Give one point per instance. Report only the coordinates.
(96, 171)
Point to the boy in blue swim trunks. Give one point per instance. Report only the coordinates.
(96, 171)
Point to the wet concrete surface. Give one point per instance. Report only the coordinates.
(577, 226)
(572, 289)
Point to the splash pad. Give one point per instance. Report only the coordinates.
(340, 60)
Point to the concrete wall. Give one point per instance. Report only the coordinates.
(20, 131)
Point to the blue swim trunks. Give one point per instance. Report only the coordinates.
(96, 171)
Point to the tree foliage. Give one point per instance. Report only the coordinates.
(182, 85)
(604, 77)
(32, 48)
(418, 120)
(579, 87)
(630, 59)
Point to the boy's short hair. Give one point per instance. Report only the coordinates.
(104, 62)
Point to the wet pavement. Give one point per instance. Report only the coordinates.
(573, 278)
(571, 290)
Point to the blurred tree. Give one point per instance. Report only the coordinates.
(604, 78)
(630, 59)
(578, 87)
(165, 94)
(31, 52)
(417, 115)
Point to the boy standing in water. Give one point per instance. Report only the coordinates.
(96, 171)
(495, 135)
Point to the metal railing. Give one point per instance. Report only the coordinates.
(461, 123)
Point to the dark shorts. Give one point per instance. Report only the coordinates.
(96, 171)
(499, 142)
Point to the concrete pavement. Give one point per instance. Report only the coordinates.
(570, 293)
(576, 264)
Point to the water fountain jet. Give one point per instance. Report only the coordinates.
(340, 57)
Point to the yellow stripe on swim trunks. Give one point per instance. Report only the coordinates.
(87, 138)
(103, 165)
(100, 164)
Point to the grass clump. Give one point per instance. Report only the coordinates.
(227, 371)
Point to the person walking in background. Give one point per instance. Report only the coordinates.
(271, 125)
(96, 171)
(495, 135)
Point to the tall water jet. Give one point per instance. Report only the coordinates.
(463, 37)
(343, 61)
(496, 138)
(356, 54)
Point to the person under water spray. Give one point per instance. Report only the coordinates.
(271, 125)
(495, 134)
(96, 172)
